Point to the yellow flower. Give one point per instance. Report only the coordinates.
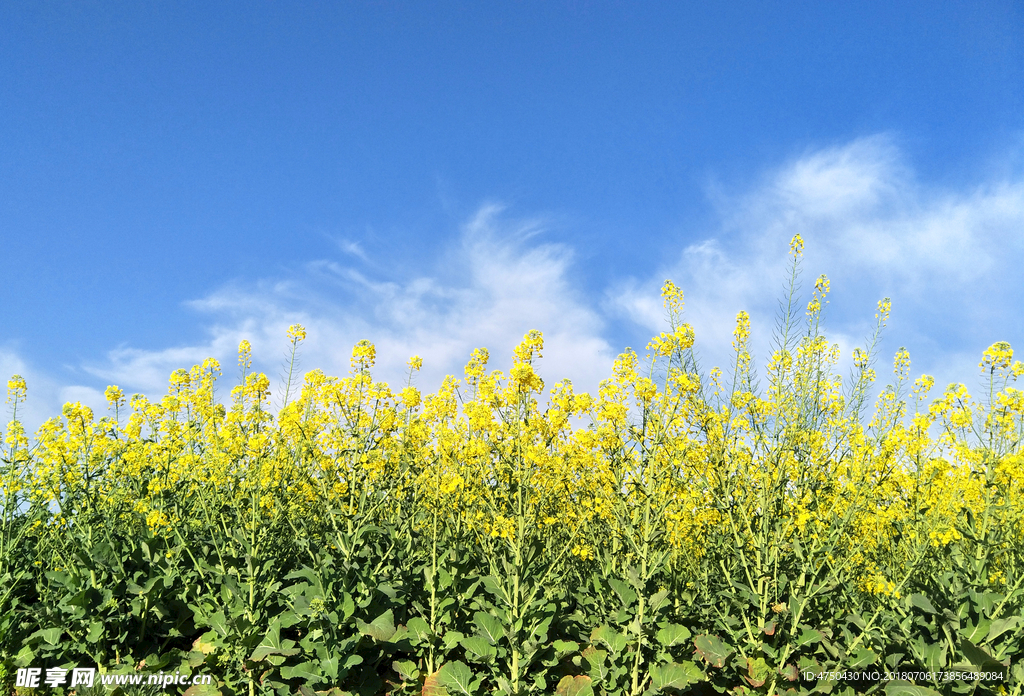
(114, 396)
(16, 389)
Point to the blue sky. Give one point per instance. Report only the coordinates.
(438, 176)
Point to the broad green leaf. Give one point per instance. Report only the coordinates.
(457, 678)
(419, 628)
(978, 633)
(658, 600)
(902, 688)
(287, 619)
(976, 656)
(489, 626)
(479, 649)
(862, 658)
(624, 591)
(1001, 626)
(271, 644)
(304, 670)
(348, 606)
(329, 667)
(574, 686)
(594, 661)
(452, 638)
(922, 602)
(432, 686)
(675, 675)
(381, 628)
(808, 636)
(565, 647)
(712, 650)
(672, 635)
(51, 635)
(612, 639)
(218, 623)
(406, 669)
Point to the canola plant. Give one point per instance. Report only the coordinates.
(763, 531)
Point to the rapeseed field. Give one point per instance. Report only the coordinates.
(754, 529)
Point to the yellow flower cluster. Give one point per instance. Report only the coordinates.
(662, 455)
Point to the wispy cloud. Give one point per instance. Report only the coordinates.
(352, 248)
(489, 291)
(46, 394)
(950, 260)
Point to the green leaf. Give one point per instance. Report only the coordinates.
(1001, 626)
(922, 602)
(381, 628)
(218, 623)
(329, 667)
(594, 661)
(348, 606)
(457, 677)
(479, 649)
(712, 650)
(976, 656)
(306, 671)
(406, 669)
(418, 627)
(287, 619)
(624, 591)
(565, 647)
(675, 675)
(574, 686)
(862, 658)
(612, 639)
(902, 688)
(658, 600)
(271, 644)
(977, 634)
(51, 635)
(673, 635)
(489, 627)
(432, 686)
(808, 636)
(452, 638)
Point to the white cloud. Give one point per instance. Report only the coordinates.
(497, 285)
(950, 260)
(45, 393)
